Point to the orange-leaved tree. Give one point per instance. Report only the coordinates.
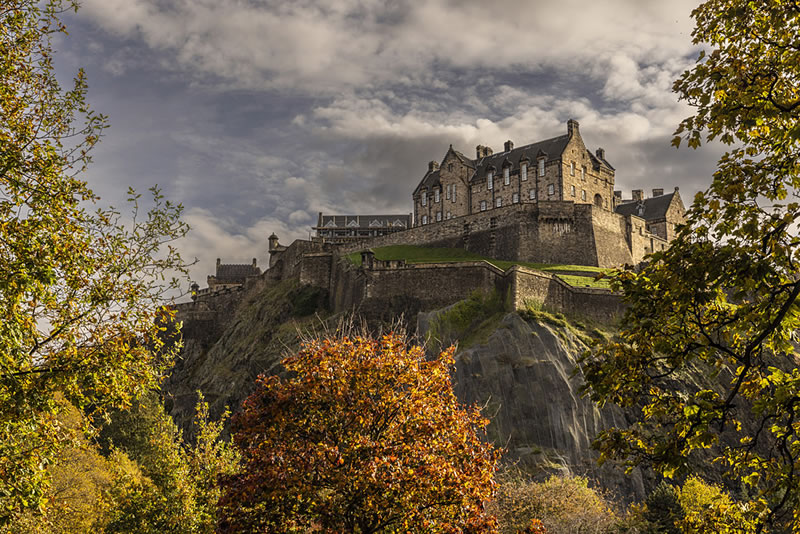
(365, 435)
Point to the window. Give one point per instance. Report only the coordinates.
(448, 215)
(532, 194)
(450, 167)
(506, 175)
(572, 190)
(572, 168)
(583, 173)
(523, 171)
(454, 192)
(583, 194)
(498, 203)
(541, 167)
(515, 198)
(483, 205)
(438, 216)
(436, 195)
(489, 180)
(424, 219)
(424, 198)
(551, 189)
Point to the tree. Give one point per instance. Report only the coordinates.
(722, 300)
(161, 483)
(706, 508)
(364, 436)
(81, 292)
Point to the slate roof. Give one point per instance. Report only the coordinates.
(648, 209)
(231, 273)
(364, 221)
(430, 180)
(552, 148)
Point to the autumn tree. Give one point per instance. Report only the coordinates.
(363, 435)
(722, 300)
(81, 291)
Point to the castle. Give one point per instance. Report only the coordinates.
(551, 202)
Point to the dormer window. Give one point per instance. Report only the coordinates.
(436, 195)
(490, 180)
(541, 167)
(523, 171)
(506, 176)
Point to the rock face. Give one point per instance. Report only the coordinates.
(523, 375)
(519, 368)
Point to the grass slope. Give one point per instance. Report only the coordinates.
(415, 254)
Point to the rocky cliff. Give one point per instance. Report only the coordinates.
(518, 365)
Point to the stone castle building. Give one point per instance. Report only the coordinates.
(558, 169)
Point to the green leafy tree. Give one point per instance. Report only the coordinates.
(662, 511)
(160, 482)
(722, 300)
(363, 436)
(81, 291)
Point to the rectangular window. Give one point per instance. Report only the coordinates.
(572, 168)
(583, 194)
(498, 203)
(583, 173)
(436, 195)
(551, 189)
(424, 219)
(532, 194)
(515, 198)
(506, 176)
(483, 205)
(572, 190)
(523, 171)
(424, 198)
(454, 192)
(448, 214)
(447, 193)
(541, 167)
(489, 180)
(438, 216)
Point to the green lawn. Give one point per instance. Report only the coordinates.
(414, 254)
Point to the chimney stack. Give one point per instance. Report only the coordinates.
(509, 146)
(255, 264)
(572, 127)
(618, 195)
(601, 153)
(433, 166)
(483, 151)
(638, 195)
(658, 192)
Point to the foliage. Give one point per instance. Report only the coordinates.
(80, 476)
(80, 292)
(662, 511)
(364, 435)
(706, 508)
(559, 505)
(724, 295)
(161, 483)
(468, 321)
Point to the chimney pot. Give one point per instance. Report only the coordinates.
(638, 194)
(509, 146)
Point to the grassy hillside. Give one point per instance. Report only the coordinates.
(414, 254)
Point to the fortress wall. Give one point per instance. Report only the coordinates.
(561, 233)
(555, 294)
(608, 236)
(315, 269)
(287, 265)
(642, 242)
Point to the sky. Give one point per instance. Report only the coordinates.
(258, 114)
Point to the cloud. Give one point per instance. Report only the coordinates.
(325, 47)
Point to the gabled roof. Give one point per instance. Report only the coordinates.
(552, 148)
(430, 180)
(599, 161)
(464, 159)
(232, 273)
(364, 221)
(648, 209)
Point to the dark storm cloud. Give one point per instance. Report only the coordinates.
(258, 114)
